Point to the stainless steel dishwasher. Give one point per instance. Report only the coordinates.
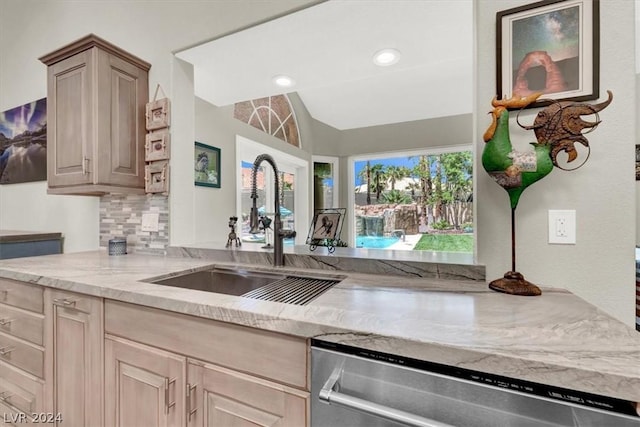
(356, 387)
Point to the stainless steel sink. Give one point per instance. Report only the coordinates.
(299, 290)
(222, 281)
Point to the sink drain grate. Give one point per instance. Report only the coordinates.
(292, 290)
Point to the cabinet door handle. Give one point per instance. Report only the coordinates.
(65, 302)
(167, 399)
(4, 351)
(191, 399)
(85, 165)
(5, 322)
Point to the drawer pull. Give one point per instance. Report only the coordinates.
(65, 302)
(4, 398)
(6, 350)
(5, 322)
(4, 293)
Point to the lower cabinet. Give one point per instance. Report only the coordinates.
(223, 397)
(144, 386)
(170, 369)
(74, 337)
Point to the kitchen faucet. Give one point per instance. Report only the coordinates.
(278, 233)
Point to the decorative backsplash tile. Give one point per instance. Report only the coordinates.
(121, 216)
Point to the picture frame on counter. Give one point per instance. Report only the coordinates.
(157, 145)
(206, 165)
(550, 46)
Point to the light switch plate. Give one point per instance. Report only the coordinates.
(562, 227)
(150, 221)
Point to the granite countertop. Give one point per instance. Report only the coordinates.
(7, 236)
(556, 339)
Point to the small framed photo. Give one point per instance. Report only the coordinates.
(156, 177)
(158, 114)
(325, 225)
(206, 160)
(637, 162)
(157, 145)
(550, 46)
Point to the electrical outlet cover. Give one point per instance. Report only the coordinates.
(562, 227)
(150, 221)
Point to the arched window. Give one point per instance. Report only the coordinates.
(272, 115)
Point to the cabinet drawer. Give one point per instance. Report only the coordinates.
(272, 355)
(21, 355)
(22, 295)
(22, 324)
(19, 394)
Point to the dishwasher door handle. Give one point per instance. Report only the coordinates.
(329, 395)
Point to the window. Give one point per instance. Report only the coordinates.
(413, 201)
(272, 115)
(294, 208)
(325, 182)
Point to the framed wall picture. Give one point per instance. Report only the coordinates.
(157, 145)
(23, 143)
(156, 177)
(206, 162)
(552, 47)
(158, 114)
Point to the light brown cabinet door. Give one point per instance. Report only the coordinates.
(223, 397)
(144, 386)
(74, 361)
(70, 120)
(123, 91)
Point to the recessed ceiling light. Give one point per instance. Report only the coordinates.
(386, 57)
(284, 81)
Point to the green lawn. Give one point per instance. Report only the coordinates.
(445, 243)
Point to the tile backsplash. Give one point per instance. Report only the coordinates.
(121, 216)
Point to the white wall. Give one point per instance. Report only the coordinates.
(600, 267)
(150, 30)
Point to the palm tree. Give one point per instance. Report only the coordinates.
(423, 172)
(379, 172)
(396, 173)
(365, 174)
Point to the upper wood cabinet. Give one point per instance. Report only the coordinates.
(96, 101)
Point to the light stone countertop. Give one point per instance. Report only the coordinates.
(556, 339)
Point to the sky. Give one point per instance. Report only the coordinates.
(395, 161)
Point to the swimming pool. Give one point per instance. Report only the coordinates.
(375, 242)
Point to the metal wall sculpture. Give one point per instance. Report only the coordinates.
(557, 128)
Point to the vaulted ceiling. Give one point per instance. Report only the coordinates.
(328, 49)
